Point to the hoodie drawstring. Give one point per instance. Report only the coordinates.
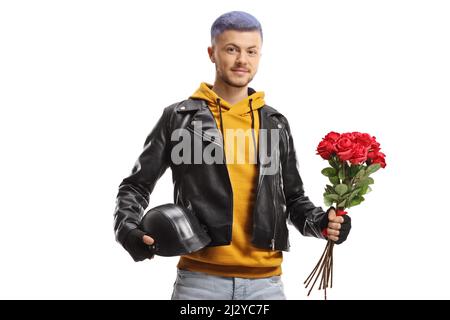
(253, 129)
(220, 114)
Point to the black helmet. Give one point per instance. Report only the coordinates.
(175, 229)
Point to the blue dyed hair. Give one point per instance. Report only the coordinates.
(235, 20)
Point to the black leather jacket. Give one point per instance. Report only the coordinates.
(206, 189)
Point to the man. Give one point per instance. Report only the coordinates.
(246, 196)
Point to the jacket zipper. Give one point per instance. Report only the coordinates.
(260, 177)
(202, 135)
(277, 205)
(276, 213)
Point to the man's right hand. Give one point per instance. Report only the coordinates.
(139, 245)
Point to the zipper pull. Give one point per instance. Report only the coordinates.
(273, 244)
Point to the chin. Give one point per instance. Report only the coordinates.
(234, 81)
(240, 82)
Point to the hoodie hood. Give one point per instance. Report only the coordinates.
(236, 114)
(253, 101)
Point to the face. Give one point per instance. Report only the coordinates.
(236, 55)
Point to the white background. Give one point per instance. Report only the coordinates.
(83, 82)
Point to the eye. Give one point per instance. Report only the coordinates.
(253, 52)
(231, 49)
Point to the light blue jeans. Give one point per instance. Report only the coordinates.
(191, 285)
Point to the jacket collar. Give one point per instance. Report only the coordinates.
(193, 105)
(190, 105)
(202, 113)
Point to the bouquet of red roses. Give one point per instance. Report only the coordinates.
(353, 157)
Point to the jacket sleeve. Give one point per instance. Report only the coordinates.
(134, 191)
(302, 213)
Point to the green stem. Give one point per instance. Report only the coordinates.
(343, 170)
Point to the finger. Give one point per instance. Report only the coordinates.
(332, 232)
(334, 238)
(331, 214)
(148, 240)
(337, 219)
(334, 225)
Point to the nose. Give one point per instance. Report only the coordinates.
(241, 59)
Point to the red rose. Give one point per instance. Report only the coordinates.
(344, 146)
(363, 139)
(359, 154)
(380, 159)
(326, 147)
(375, 155)
(374, 149)
(332, 136)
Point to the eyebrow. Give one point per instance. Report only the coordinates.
(233, 44)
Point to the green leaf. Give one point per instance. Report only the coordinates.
(360, 173)
(329, 189)
(341, 174)
(329, 172)
(333, 163)
(341, 189)
(333, 196)
(365, 181)
(357, 200)
(353, 193)
(373, 168)
(363, 189)
(334, 180)
(327, 201)
(353, 171)
(342, 204)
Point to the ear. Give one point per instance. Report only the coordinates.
(211, 54)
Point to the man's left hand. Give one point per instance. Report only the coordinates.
(338, 227)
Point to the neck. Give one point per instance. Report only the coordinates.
(229, 93)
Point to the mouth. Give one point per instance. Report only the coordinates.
(240, 71)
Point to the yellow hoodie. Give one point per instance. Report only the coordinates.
(240, 258)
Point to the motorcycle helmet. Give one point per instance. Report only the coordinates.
(175, 229)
